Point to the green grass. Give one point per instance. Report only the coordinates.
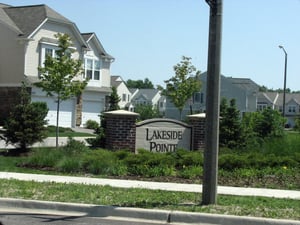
(154, 199)
(66, 132)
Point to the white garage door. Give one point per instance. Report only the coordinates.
(91, 111)
(66, 112)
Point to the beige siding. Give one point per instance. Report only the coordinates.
(48, 30)
(105, 72)
(12, 58)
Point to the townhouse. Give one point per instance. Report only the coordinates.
(27, 36)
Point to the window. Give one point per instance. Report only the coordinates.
(89, 69)
(48, 50)
(292, 108)
(124, 97)
(198, 97)
(261, 106)
(92, 69)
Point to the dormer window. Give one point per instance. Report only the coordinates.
(92, 69)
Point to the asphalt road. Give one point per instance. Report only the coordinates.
(13, 218)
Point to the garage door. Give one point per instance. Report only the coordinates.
(91, 111)
(66, 112)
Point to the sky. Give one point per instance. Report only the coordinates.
(148, 37)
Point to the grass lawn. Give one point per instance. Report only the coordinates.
(275, 164)
(154, 199)
(66, 132)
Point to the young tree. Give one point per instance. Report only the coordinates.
(26, 123)
(183, 85)
(59, 75)
(147, 111)
(114, 100)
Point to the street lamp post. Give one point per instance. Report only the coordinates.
(210, 168)
(284, 82)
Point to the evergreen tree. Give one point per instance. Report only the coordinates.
(114, 100)
(231, 134)
(26, 123)
(270, 123)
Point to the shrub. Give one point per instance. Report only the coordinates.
(185, 158)
(74, 147)
(44, 157)
(191, 172)
(69, 165)
(26, 122)
(102, 162)
(91, 124)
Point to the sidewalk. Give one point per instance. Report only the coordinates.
(196, 188)
(160, 216)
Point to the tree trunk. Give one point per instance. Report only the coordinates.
(57, 121)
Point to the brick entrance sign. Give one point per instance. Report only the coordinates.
(163, 135)
(155, 135)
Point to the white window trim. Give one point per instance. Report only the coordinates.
(93, 67)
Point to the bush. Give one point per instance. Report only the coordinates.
(191, 172)
(26, 122)
(185, 158)
(44, 158)
(91, 124)
(74, 147)
(103, 162)
(69, 165)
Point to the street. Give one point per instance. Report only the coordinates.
(13, 218)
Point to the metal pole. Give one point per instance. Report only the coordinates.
(284, 80)
(210, 169)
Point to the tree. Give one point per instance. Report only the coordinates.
(141, 84)
(231, 134)
(114, 100)
(146, 111)
(26, 123)
(269, 123)
(183, 85)
(59, 75)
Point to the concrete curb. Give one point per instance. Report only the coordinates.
(135, 213)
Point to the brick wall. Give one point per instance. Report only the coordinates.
(120, 130)
(198, 123)
(9, 97)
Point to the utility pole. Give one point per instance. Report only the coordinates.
(210, 170)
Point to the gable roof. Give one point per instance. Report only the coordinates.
(147, 94)
(28, 18)
(288, 98)
(271, 97)
(244, 83)
(25, 20)
(115, 81)
(92, 36)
